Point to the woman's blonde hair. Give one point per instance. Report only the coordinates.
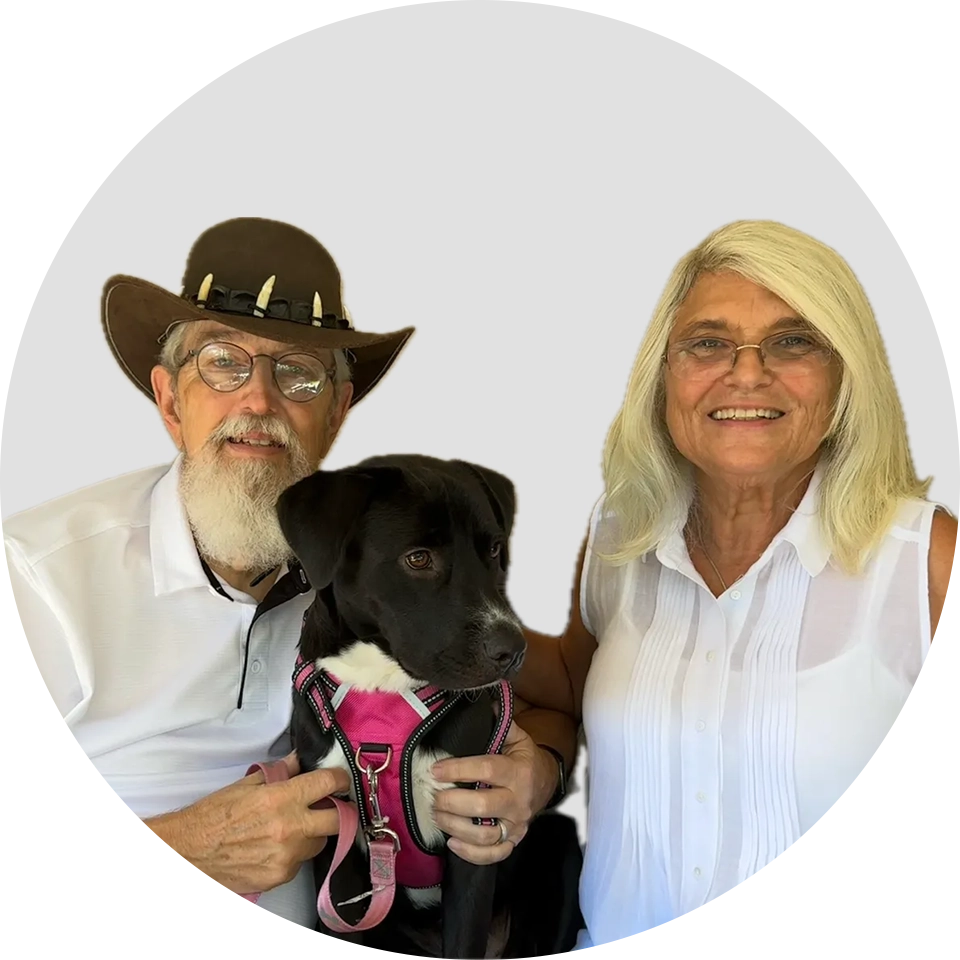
(865, 455)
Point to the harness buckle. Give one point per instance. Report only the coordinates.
(384, 748)
(373, 786)
(378, 832)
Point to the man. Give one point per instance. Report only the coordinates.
(164, 607)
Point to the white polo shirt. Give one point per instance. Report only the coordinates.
(171, 686)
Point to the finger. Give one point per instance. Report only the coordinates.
(293, 763)
(492, 769)
(515, 735)
(467, 831)
(495, 802)
(324, 822)
(481, 855)
(316, 784)
(290, 761)
(255, 777)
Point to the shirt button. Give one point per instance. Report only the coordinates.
(736, 594)
(256, 666)
(701, 726)
(710, 656)
(697, 871)
(701, 796)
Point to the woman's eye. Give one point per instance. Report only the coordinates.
(419, 560)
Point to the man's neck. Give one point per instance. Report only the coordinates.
(242, 579)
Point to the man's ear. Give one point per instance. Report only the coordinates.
(499, 491)
(317, 516)
(166, 397)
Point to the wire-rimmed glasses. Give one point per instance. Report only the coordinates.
(226, 367)
(706, 357)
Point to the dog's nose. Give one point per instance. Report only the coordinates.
(506, 650)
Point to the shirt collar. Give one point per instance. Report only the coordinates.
(802, 530)
(173, 553)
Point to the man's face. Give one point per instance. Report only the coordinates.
(242, 449)
(192, 411)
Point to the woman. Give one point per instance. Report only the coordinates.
(760, 582)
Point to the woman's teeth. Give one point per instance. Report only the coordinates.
(736, 414)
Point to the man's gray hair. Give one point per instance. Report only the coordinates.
(172, 358)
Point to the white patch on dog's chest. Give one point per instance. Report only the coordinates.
(365, 667)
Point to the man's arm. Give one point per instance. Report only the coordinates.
(248, 836)
(61, 665)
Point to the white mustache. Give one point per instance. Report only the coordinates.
(275, 428)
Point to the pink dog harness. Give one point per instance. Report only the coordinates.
(379, 731)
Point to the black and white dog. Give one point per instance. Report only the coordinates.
(408, 555)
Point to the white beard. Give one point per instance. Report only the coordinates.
(231, 502)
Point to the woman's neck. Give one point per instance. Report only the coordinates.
(732, 520)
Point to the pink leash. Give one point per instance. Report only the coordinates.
(383, 855)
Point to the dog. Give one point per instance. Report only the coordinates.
(408, 555)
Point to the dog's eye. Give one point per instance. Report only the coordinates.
(419, 560)
(496, 549)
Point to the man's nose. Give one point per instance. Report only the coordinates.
(260, 393)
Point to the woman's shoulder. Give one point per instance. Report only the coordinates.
(943, 544)
(943, 541)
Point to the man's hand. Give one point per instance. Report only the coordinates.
(252, 836)
(522, 780)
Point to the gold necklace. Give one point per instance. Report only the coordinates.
(723, 583)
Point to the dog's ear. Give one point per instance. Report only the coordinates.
(500, 492)
(317, 516)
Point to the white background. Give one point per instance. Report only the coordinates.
(516, 180)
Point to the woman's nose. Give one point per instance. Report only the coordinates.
(748, 367)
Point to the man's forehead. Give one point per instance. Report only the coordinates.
(207, 331)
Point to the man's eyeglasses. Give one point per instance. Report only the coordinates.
(705, 357)
(225, 367)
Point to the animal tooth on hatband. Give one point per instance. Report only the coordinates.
(204, 290)
(264, 297)
(347, 316)
(317, 310)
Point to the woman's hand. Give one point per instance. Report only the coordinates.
(522, 780)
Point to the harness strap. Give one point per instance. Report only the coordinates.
(505, 693)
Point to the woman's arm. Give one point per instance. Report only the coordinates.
(943, 543)
(523, 778)
(555, 668)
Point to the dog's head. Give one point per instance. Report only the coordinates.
(416, 552)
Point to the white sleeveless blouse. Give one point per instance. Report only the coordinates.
(720, 729)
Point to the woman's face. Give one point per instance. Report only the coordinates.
(745, 423)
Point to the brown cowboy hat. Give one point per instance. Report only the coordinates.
(260, 276)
